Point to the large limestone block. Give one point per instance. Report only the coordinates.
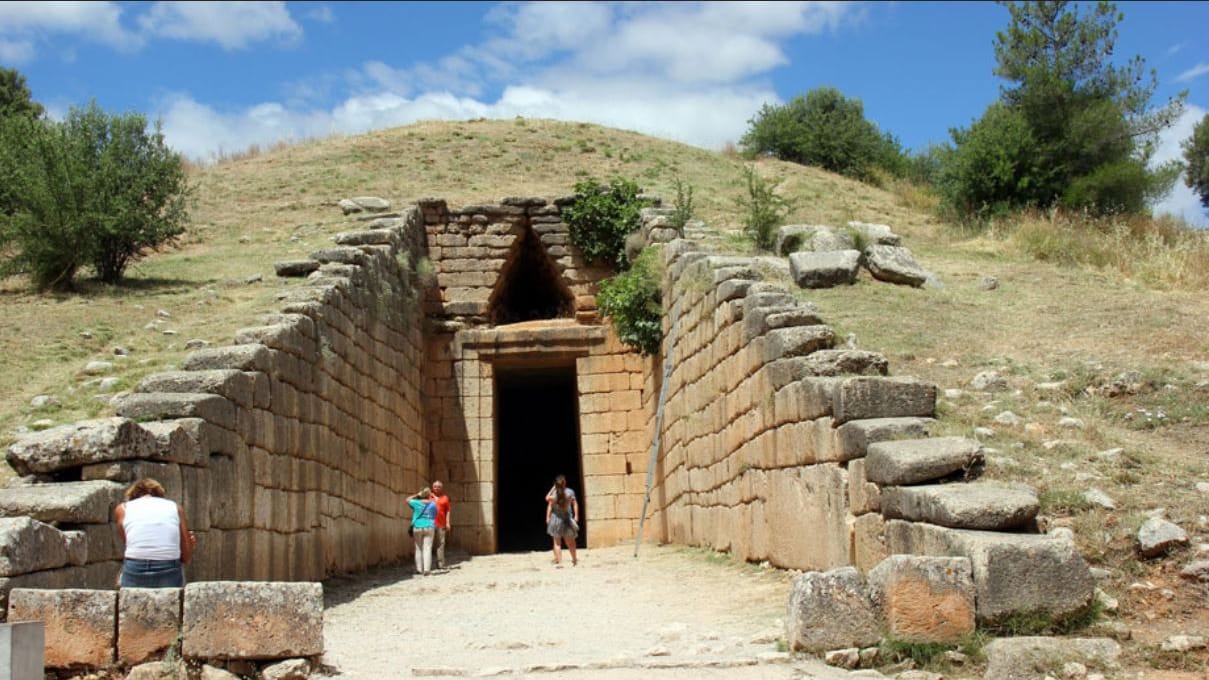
(990, 506)
(244, 620)
(233, 384)
(876, 233)
(829, 610)
(894, 264)
(792, 237)
(924, 599)
(835, 362)
(797, 341)
(1035, 658)
(241, 357)
(183, 440)
(81, 443)
(149, 621)
(911, 461)
(127, 471)
(164, 405)
(881, 397)
(868, 537)
(79, 623)
(29, 545)
(1013, 573)
(74, 502)
(855, 436)
(824, 269)
(98, 575)
(805, 515)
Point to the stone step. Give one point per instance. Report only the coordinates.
(1013, 573)
(990, 506)
(855, 436)
(914, 461)
(72, 502)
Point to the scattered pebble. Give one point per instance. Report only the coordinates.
(989, 381)
(1197, 570)
(1008, 418)
(196, 343)
(163, 313)
(97, 367)
(108, 384)
(254, 278)
(984, 432)
(1183, 643)
(988, 283)
(1071, 423)
(1099, 498)
(1157, 536)
(42, 424)
(87, 335)
(121, 351)
(43, 401)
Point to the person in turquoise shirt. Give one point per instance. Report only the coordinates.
(423, 524)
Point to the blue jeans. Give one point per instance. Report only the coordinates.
(152, 574)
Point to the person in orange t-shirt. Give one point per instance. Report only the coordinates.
(444, 505)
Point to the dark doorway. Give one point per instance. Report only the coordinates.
(537, 438)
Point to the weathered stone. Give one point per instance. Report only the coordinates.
(894, 264)
(1099, 498)
(1034, 658)
(825, 269)
(1013, 573)
(29, 545)
(290, 669)
(792, 237)
(989, 381)
(924, 599)
(368, 237)
(215, 673)
(340, 255)
(911, 461)
(249, 357)
(80, 443)
(244, 620)
(876, 233)
(157, 670)
(183, 440)
(879, 397)
(1197, 570)
(796, 341)
(834, 362)
(829, 610)
(164, 405)
(149, 621)
(74, 502)
(1183, 643)
(230, 383)
(826, 239)
(1157, 536)
(295, 268)
(843, 658)
(991, 506)
(762, 319)
(855, 436)
(79, 623)
(363, 203)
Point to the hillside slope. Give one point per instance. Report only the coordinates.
(1052, 332)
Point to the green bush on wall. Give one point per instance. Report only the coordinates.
(601, 217)
(632, 300)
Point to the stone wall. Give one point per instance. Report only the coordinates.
(291, 450)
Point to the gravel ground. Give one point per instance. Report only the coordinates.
(671, 613)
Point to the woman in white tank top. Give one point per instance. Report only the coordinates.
(157, 540)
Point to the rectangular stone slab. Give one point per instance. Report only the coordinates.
(912, 461)
(29, 545)
(81, 443)
(149, 621)
(74, 502)
(252, 620)
(988, 506)
(79, 623)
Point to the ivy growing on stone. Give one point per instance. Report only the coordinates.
(600, 218)
(633, 301)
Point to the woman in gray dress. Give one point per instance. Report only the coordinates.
(562, 519)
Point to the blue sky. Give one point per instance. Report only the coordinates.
(223, 76)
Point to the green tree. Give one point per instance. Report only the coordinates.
(825, 129)
(1196, 155)
(1091, 130)
(95, 190)
(15, 97)
(763, 208)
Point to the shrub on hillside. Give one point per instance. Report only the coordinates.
(764, 210)
(95, 190)
(825, 129)
(601, 217)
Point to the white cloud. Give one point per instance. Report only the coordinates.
(1194, 72)
(693, 72)
(1176, 48)
(321, 14)
(1182, 201)
(97, 21)
(233, 25)
(16, 51)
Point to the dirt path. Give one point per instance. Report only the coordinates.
(672, 613)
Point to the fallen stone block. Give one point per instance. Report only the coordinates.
(1157, 536)
(149, 622)
(1035, 658)
(29, 545)
(824, 269)
(74, 502)
(295, 268)
(894, 264)
(876, 233)
(80, 443)
(1013, 573)
(369, 237)
(246, 620)
(290, 669)
(792, 237)
(79, 624)
(829, 610)
(911, 461)
(924, 599)
(855, 436)
(878, 397)
(358, 204)
(989, 506)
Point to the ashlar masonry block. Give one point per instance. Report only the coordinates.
(79, 623)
